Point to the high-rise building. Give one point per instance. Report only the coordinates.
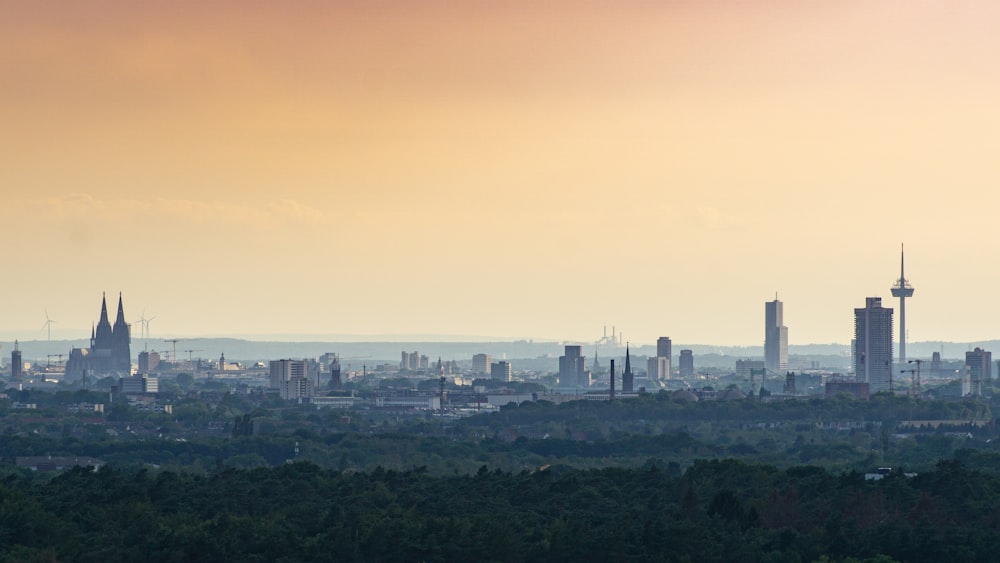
(335, 375)
(409, 361)
(663, 346)
(296, 388)
(481, 363)
(873, 345)
(148, 361)
(746, 368)
(573, 368)
(284, 370)
(501, 371)
(980, 364)
(658, 368)
(663, 352)
(775, 337)
(16, 363)
(138, 385)
(685, 364)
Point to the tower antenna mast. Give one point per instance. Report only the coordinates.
(902, 289)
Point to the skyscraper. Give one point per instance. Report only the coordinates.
(661, 361)
(663, 347)
(657, 368)
(873, 345)
(501, 371)
(980, 364)
(409, 361)
(282, 371)
(16, 363)
(685, 364)
(335, 380)
(775, 337)
(573, 368)
(481, 363)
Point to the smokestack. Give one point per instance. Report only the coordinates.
(612, 380)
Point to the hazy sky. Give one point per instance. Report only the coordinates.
(505, 168)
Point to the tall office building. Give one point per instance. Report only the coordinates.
(657, 368)
(873, 345)
(501, 371)
(980, 364)
(663, 347)
(685, 364)
(296, 389)
(409, 361)
(283, 371)
(662, 360)
(335, 374)
(481, 363)
(16, 363)
(775, 337)
(573, 368)
(148, 361)
(747, 368)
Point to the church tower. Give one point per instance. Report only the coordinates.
(102, 338)
(121, 354)
(628, 379)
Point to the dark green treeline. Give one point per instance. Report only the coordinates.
(716, 511)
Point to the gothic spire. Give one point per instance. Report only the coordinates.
(120, 320)
(104, 310)
(628, 361)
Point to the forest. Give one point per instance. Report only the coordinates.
(229, 476)
(231, 430)
(717, 510)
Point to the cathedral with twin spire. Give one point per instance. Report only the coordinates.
(109, 351)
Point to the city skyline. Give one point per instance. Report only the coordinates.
(775, 330)
(526, 162)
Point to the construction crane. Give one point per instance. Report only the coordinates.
(918, 362)
(175, 341)
(59, 360)
(190, 355)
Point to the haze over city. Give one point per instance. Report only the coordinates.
(499, 170)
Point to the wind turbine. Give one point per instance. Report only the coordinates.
(48, 324)
(142, 324)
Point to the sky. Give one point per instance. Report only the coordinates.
(499, 168)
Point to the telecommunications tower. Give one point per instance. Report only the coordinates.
(902, 289)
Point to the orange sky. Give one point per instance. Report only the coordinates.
(533, 169)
